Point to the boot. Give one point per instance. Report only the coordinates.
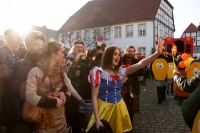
(163, 95)
(167, 90)
(172, 91)
(159, 94)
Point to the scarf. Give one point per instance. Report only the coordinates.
(54, 72)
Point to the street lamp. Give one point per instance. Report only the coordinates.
(198, 29)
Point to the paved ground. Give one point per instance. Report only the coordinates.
(158, 118)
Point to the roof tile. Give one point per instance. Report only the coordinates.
(106, 12)
(191, 28)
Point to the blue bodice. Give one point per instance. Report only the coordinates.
(110, 92)
(109, 85)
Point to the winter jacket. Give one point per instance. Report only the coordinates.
(188, 85)
(7, 86)
(133, 78)
(191, 106)
(78, 73)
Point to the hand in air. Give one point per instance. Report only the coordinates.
(79, 56)
(160, 45)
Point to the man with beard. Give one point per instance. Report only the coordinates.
(34, 42)
(8, 55)
(131, 87)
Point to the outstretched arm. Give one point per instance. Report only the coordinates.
(186, 84)
(144, 62)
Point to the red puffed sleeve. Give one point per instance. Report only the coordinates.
(94, 78)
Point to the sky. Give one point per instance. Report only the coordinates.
(20, 14)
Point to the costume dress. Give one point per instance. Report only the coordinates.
(111, 106)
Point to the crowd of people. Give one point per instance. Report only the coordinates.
(102, 81)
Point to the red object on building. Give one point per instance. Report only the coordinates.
(183, 45)
(99, 38)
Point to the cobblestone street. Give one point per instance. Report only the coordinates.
(158, 118)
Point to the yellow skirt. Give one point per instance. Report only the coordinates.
(115, 114)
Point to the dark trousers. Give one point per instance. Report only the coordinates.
(72, 115)
(161, 94)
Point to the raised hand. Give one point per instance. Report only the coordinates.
(160, 45)
(79, 56)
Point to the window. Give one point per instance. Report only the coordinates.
(118, 32)
(86, 35)
(94, 34)
(129, 31)
(142, 50)
(78, 35)
(195, 49)
(106, 33)
(142, 29)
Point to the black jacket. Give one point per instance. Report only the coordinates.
(133, 78)
(191, 106)
(78, 74)
(185, 84)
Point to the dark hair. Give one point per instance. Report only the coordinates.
(107, 58)
(53, 47)
(65, 50)
(97, 61)
(103, 46)
(92, 52)
(79, 42)
(31, 36)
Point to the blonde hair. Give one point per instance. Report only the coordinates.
(130, 46)
(72, 49)
(198, 55)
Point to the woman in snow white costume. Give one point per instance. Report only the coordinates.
(106, 82)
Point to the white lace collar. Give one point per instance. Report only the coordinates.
(105, 75)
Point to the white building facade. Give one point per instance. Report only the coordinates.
(191, 31)
(142, 34)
